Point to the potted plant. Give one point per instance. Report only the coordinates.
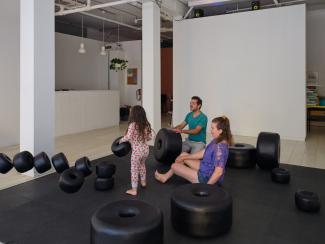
(118, 64)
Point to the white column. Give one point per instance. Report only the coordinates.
(151, 84)
(37, 76)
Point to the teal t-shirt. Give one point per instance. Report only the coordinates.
(192, 122)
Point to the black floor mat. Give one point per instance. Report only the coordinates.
(264, 212)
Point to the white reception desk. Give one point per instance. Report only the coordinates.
(78, 111)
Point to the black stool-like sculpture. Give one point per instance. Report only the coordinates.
(201, 210)
(127, 222)
(242, 156)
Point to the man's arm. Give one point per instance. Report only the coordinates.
(194, 131)
(180, 126)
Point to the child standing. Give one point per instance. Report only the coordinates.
(138, 133)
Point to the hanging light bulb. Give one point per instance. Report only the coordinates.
(118, 44)
(103, 50)
(82, 49)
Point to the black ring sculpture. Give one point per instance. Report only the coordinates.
(168, 145)
(268, 150)
(242, 156)
(201, 210)
(121, 149)
(127, 222)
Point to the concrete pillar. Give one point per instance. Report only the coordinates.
(151, 63)
(37, 66)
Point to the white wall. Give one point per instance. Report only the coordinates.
(9, 73)
(78, 111)
(249, 66)
(316, 45)
(118, 80)
(77, 71)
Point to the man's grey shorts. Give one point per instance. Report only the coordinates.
(192, 146)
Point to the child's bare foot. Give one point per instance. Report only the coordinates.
(132, 192)
(160, 177)
(143, 183)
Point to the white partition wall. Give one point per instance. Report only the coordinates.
(78, 111)
(249, 66)
(77, 71)
(9, 72)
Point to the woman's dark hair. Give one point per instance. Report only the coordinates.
(224, 125)
(139, 117)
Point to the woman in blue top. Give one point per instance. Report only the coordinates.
(208, 165)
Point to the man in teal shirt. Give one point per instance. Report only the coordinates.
(197, 125)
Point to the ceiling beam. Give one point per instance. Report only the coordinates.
(111, 21)
(89, 7)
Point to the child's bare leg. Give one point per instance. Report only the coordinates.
(143, 172)
(134, 175)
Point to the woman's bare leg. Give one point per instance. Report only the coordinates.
(185, 172)
(193, 163)
(164, 177)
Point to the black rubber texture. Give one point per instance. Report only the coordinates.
(307, 201)
(168, 145)
(71, 180)
(23, 161)
(42, 162)
(201, 210)
(5, 164)
(127, 222)
(104, 184)
(84, 166)
(268, 150)
(60, 162)
(105, 170)
(242, 156)
(121, 149)
(280, 175)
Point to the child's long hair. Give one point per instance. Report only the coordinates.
(139, 117)
(223, 124)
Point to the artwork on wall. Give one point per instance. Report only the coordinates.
(312, 76)
(132, 76)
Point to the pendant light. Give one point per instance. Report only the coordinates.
(82, 49)
(118, 44)
(103, 50)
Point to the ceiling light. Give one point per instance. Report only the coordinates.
(82, 49)
(103, 50)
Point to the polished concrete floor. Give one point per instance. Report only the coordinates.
(96, 144)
